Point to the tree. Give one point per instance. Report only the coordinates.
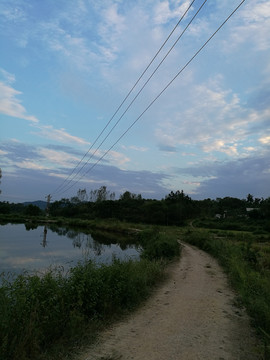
(265, 208)
(82, 195)
(101, 194)
(0, 178)
(130, 196)
(250, 199)
(32, 210)
(178, 196)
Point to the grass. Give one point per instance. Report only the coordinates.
(42, 313)
(246, 261)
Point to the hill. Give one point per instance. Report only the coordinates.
(41, 204)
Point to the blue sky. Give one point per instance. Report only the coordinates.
(67, 65)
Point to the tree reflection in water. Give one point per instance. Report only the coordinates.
(50, 245)
(44, 241)
(85, 241)
(89, 244)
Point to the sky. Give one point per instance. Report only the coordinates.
(66, 67)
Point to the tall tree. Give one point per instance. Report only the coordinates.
(101, 194)
(82, 195)
(250, 199)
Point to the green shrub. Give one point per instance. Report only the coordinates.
(159, 245)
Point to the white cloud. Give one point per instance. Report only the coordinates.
(210, 116)
(135, 148)
(12, 12)
(138, 148)
(165, 11)
(250, 148)
(8, 77)
(2, 152)
(29, 164)
(10, 104)
(254, 26)
(265, 140)
(61, 135)
(117, 158)
(58, 175)
(56, 157)
(73, 48)
(219, 145)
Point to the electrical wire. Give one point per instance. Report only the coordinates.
(158, 96)
(123, 101)
(139, 92)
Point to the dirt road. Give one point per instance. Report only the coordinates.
(191, 316)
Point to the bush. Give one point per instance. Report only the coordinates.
(36, 312)
(158, 245)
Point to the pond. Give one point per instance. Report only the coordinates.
(23, 247)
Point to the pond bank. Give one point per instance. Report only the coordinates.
(39, 312)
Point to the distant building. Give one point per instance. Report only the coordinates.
(221, 216)
(251, 209)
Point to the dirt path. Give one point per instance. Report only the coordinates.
(191, 316)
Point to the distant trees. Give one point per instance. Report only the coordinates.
(32, 210)
(175, 209)
(253, 202)
(230, 206)
(127, 196)
(82, 195)
(178, 196)
(101, 194)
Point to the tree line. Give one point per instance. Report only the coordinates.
(175, 209)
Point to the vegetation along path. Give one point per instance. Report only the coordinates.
(191, 316)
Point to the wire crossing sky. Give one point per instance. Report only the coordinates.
(126, 97)
(163, 90)
(65, 66)
(131, 103)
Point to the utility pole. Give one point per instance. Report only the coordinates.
(48, 197)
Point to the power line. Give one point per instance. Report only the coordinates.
(124, 100)
(136, 96)
(158, 96)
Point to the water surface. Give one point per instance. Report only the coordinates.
(36, 249)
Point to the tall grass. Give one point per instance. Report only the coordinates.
(40, 311)
(248, 272)
(157, 244)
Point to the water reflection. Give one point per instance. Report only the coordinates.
(30, 226)
(44, 241)
(34, 247)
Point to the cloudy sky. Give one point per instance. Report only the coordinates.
(67, 65)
